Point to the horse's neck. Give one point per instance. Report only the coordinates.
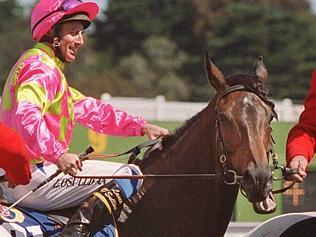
(191, 153)
(225, 202)
(184, 207)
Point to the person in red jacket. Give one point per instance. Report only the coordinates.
(14, 159)
(301, 142)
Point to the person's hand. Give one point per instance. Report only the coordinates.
(154, 131)
(69, 163)
(300, 163)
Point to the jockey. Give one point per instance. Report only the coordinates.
(40, 105)
(14, 159)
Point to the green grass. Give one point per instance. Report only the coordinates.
(113, 144)
(119, 144)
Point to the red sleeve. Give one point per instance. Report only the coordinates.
(14, 158)
(301, 139)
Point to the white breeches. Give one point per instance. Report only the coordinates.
(65, 191)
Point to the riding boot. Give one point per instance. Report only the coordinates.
(96, 210)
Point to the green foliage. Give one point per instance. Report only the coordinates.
(282, 38)
(154, 70)
(14, 36)
(151, 47)
(130, 22)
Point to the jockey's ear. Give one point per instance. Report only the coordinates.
(260, 69)
(50, 33)
(49, 36)
(213, 74)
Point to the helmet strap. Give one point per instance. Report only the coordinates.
(56, 47)
(56, 43)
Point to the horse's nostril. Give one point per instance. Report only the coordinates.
(257, 177)
(249, 178)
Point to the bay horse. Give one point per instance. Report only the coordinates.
(230, 138)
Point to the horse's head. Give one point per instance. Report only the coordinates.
(243, 132)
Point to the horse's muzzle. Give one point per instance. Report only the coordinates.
(257, 183)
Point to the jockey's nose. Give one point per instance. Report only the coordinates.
(79, 39)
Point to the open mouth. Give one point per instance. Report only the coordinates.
(266, 206)
(73, 52)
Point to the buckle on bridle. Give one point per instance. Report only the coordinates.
(230, 177)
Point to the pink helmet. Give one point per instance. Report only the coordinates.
(49, 12)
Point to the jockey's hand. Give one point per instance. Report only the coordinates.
(69, 163)
(154, 131)
(300, 163)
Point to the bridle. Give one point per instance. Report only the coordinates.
(230, 176)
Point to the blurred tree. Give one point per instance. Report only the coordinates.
(235, 31)
(282, 36)
(128, 23)
(292, 5)
(94, 74)
(14, 36)
(155, 70)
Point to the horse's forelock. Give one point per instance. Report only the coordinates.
(254, 83)
(251, 81)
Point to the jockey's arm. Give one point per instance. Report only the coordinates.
(104, 118)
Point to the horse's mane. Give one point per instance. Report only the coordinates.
(170, 140)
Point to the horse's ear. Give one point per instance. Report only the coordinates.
(260, 69)
(213, 74)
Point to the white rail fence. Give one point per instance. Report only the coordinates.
(158, 109)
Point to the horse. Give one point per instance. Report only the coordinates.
(223, 148)
(230, 138)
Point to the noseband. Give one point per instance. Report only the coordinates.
(230, 176)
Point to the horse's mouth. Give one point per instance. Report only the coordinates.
(266, 206)
(256, 196)
(257, 184)
(263, 203)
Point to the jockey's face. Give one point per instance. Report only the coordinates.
(71, 39)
